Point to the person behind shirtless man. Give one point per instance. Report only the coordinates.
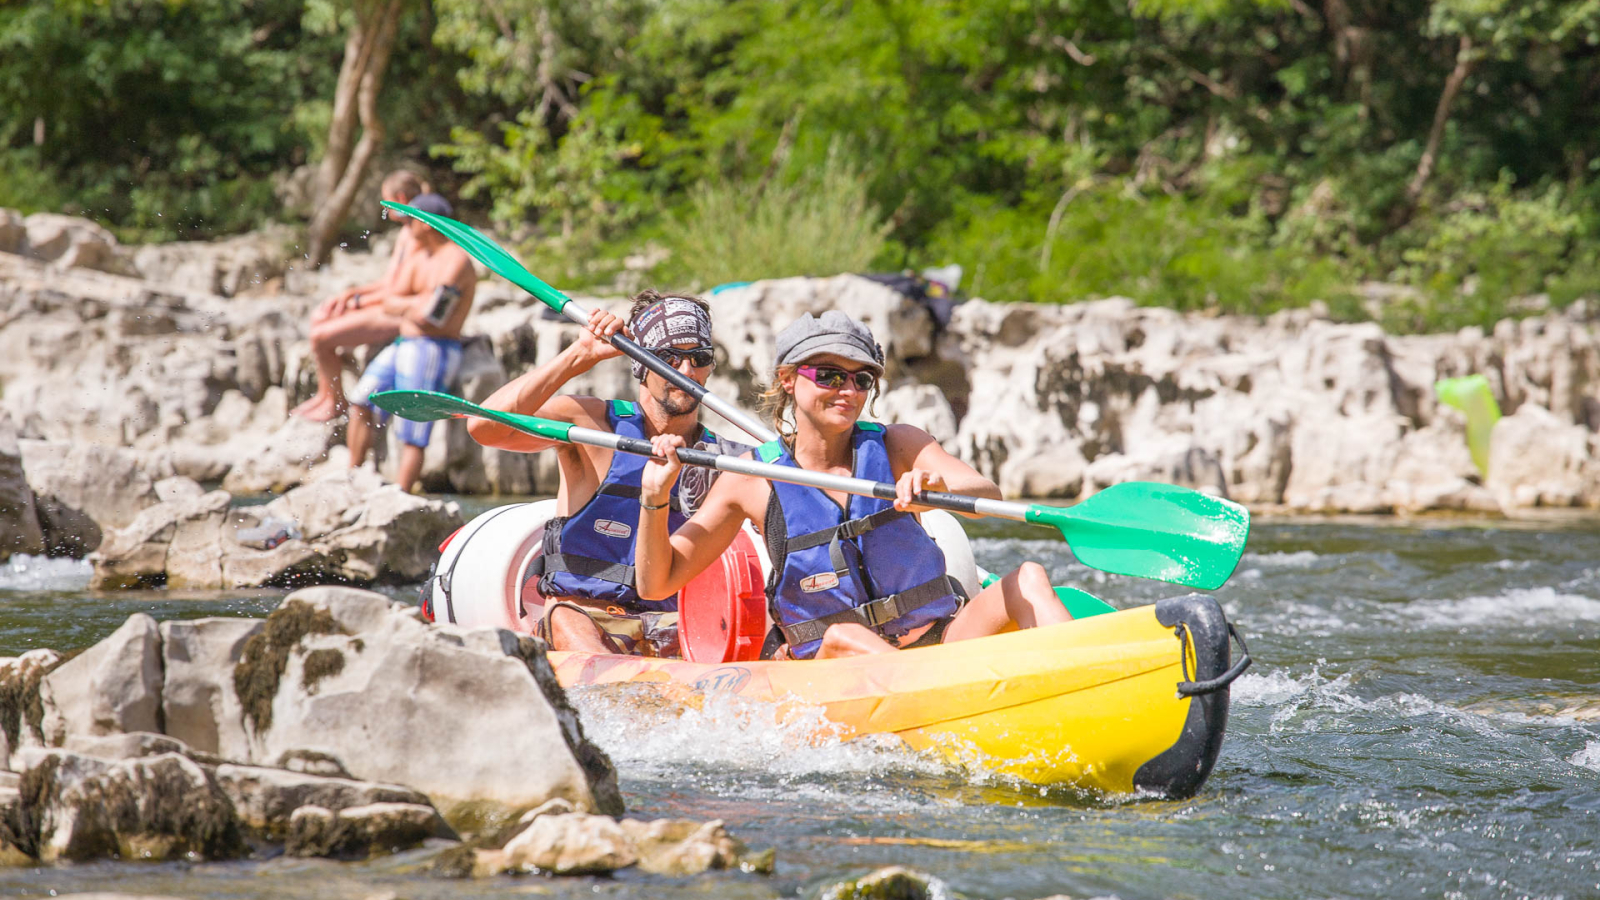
(429, 300)
(354, 316)
(586, 570)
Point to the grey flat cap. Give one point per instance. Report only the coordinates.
(834, 333)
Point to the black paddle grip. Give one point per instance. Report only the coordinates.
(952, 502)
(686, 455)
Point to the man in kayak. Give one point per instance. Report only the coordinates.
(851, 575)
(428, 300)
(586, 570)
(354, 316)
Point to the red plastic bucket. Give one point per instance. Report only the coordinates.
(722, 613)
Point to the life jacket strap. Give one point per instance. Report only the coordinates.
(845, 530)
(585, 566)
(878, 613)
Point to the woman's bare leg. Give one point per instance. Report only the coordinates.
(1023, 596)
(849, 639)
(365, 326)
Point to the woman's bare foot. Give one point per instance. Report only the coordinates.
(316, 400)
(322, 412)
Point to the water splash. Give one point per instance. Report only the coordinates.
(656, 734)
(42, 573)
(1515, 606)
(1588, 757)
(1278, 687)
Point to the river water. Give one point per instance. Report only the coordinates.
(1423, 720)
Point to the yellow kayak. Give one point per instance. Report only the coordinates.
(1127, 701)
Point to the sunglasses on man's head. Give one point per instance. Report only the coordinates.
(699, 357)
(833, 378)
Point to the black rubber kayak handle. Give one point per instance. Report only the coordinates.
(1211, 685)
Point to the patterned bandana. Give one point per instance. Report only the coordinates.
(662, 325)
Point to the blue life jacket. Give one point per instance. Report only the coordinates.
(590, 554)
(871, 564)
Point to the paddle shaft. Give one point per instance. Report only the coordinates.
(883, 491)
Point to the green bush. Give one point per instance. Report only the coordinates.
(1487, 249)
(27, 185)
(1112, 239)
(819, 222)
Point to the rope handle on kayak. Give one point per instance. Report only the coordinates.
(1188, 688)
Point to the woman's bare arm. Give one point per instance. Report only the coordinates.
(921, 464)
(664, 562)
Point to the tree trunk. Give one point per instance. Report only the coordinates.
(355, 104)
(1465, 60)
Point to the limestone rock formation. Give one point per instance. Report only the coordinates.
(348, 526)
(199, 705)
(562, 842)
(153, 808)
(341, 726)
(113, 687)
(351, 675)
(83, 489)
(19, 515)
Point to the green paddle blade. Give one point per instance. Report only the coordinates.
(430, 406)
(1082, 604)
(1158, 531)
(480, 248)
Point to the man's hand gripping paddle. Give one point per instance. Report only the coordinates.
(505, 265)
(1141, 529)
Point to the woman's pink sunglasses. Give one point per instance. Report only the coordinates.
(834, 378)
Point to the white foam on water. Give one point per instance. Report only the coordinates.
(1588, 757)
(1289, 618)
(42, 573)
(733, 734)
(1278, 687)
(1514, 606)
(1299, 559)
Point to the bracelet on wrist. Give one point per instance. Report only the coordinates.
(664, 505)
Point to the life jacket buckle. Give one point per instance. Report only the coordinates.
(880, 612)
(854, 528)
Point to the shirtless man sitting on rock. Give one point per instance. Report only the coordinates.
(354, 317)
(428, 300)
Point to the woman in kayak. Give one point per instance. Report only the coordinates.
(851, 575)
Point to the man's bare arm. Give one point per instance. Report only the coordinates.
(534, 392)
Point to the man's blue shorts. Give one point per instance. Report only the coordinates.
(409, 364)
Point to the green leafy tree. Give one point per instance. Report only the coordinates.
(165, 118)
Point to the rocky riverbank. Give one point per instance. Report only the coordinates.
(122, 369)
(340, 726)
